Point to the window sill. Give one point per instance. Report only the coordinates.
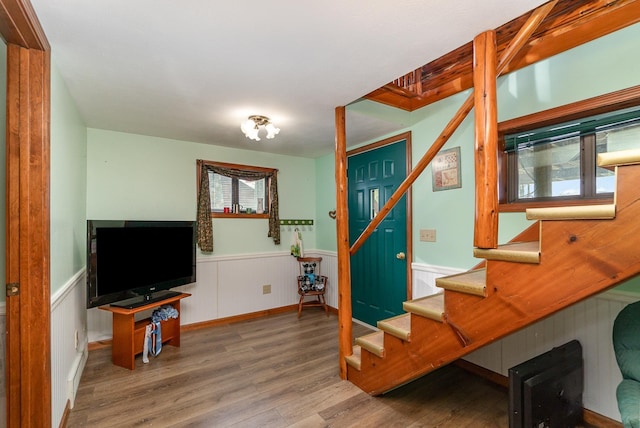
(522, 206)
(240, 215)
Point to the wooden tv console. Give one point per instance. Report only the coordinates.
(128, 334)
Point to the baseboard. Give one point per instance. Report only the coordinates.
(65, 416)
(73, 379)
(596, 420)
(220, 321)
(490, 375)
(590, 418)
(238, 318)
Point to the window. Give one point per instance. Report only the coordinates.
(243, 186)
(223, 186)
(226, 192)
(558, 162)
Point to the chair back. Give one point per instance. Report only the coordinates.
(310, 278)
(309, 265)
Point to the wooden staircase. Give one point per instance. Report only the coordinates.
(569, 254)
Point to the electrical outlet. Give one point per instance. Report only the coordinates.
(76, 339)
(266, 289)
(428, 235)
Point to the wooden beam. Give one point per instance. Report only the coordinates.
(344, 258)
(570, 23)
(523, 35)
(19, 25)
(485, 73)
(486, 140)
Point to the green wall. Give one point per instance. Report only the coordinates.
(604, 65)
(140, 177)
(325, 201)
(68, 184)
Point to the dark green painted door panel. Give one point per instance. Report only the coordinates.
(378, 277)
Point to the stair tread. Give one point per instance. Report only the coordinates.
(430, 307)
(398, 326)
(471, 282)
(621, 157)
(373, 342)
(523, 252)
(579, 212)
(355, 359)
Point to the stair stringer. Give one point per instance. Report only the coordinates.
(430, 342)
(580, 258)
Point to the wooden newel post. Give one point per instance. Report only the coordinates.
(342, 229)
(486, 140)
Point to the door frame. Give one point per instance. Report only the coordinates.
(28, 314)
(409, 232)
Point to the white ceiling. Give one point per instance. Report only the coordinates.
(194, 69)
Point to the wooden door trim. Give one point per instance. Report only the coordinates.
(28, 368)
(406, 136)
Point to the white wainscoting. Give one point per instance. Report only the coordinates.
(423, 278)
(590, 322)
(229, 286)
(68, 315)
(232, 285)
(3, 401)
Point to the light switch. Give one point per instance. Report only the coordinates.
(428, 235)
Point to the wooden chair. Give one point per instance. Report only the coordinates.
(311, 284)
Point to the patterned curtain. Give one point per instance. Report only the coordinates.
(204, 225)
(205, 228)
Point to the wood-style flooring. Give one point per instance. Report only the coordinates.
(278, 371)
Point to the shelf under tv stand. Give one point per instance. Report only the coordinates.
(128, 334)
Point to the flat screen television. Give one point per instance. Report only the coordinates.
(546, 391)
(131, 263)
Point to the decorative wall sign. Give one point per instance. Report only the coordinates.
(446, 169)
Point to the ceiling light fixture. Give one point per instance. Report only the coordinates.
(252, 125)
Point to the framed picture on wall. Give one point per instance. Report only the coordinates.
(446, 169)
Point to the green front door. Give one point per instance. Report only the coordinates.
(378, 275)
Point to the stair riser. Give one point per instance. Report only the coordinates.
(405, 361)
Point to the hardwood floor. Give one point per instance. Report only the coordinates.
(278, 371)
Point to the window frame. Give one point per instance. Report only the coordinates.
(265, 214)
(606, 103)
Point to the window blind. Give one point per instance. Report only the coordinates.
(576, 128)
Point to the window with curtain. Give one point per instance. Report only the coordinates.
(559, 162)
(235, 191)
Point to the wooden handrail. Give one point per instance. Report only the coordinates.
(509, 53)
(344, 269)
(444, 136)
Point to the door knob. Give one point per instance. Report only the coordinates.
(400, 256)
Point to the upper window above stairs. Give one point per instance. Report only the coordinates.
(556, 163)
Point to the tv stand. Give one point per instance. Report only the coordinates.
(128, 334)
(146, 299)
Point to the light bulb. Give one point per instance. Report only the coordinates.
(272, 131)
